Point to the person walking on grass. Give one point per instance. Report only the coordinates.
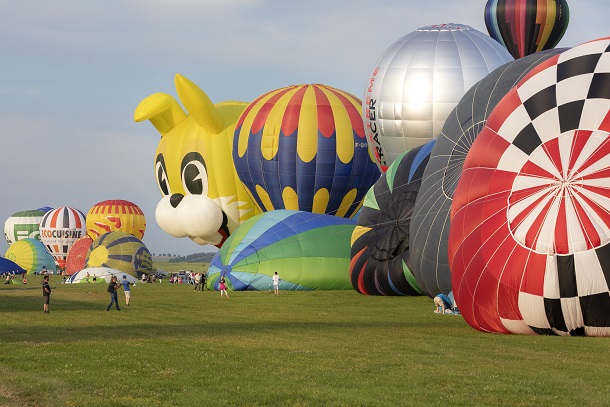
(112, 289)
(127, 290)
(276, 283)
(46, 292)
(223, 287)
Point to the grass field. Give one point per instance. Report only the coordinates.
(176, 347)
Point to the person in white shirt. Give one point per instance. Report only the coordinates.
(276, 283)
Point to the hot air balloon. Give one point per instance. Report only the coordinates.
(530, 227)
(429, 228)
(77, 255)
(309, 251)
(303, 148)
(203, 198)
(121, 251)
(102, 274)
(59, 229)
(22, 225)
(8, 266)
(115, 215)
(31, 255)
(527, 26)
(418, 81)
(380, 242)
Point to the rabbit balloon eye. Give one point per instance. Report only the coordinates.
(162, 176)
(194, 174)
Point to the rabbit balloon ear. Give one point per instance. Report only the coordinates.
(162, 110)
(199, 105)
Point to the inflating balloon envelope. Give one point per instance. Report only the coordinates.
(430, 223)
(380, 242)
(530, 226)
(308, 251)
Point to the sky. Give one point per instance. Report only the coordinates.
(73, 72)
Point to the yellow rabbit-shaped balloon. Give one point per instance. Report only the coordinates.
(203, 198)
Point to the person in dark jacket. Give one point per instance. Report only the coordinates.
(112, 289)
(46, 292)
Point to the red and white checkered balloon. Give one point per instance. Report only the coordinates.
(530, 220)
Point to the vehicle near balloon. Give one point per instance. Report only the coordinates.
(203, 198)
(418, 80)
(380, 242)
(77, 255)
(31, 255)
(309, 251)
(303, 147)
(121, 251)
(524, 27)
(530, 229)
(115, 215)
(429, 230)
(23, 225)
(59, 229)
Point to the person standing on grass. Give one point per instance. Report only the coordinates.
(223, 287)
(276, 283)
(203, 279)
(127, 290)
(112, 287)
(46, 292)
(197, 281)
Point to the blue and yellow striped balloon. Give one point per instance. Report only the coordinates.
(120, 251)
(303, 147)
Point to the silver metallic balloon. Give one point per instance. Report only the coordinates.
(419, 80)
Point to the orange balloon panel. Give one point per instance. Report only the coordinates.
(115, 215)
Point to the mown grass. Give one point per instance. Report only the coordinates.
(176, 347)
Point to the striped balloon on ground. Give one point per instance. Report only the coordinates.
(121, 251)
(115, 215)
(77, 255)
(308, 251)
(59, 229)
(31, 255)
(380, 242)
(303, 148)
(530, 226)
